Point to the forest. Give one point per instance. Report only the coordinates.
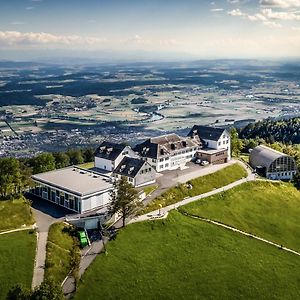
(15, 174)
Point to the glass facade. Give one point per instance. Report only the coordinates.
(56, 196)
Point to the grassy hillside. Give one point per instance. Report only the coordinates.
(180, 257)
(270, 210)
(59, 246)
(199, 185)
(17, 252)
(14, 213)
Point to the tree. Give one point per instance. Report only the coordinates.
(9, 176)
(46, 291)
(236, 144)
(296, 180)
(88, 154)
(42, 163)
(75, 156)
(61, 160)
(18, 292)
(124, 199)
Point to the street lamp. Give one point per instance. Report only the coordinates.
(160, 206)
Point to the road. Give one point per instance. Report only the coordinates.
(156, 213)
(45, 215)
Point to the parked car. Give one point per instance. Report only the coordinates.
(204, 163)
(198, 161)
(83, 239)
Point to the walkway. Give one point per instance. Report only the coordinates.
(19, 229)
(164, 210)
(240, 232)
(87, 257)
(169, 179)
(45, 214)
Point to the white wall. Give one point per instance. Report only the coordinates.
(104, 164)
(110, 165)
(224, 142)
(172, 162)
(95, 201)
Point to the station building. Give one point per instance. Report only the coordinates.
(74, 188)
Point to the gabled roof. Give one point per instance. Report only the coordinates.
(109, 151)
(129, 166)
(165, 145)
(207, 132)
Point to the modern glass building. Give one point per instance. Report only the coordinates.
(73, 188)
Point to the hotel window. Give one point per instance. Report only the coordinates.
(219, 143)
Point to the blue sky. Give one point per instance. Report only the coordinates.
(154, 29)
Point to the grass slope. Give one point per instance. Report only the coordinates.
(17, 252)
(200, 185)
(60, 242)
(270, 210)
(180, 257)
(14, 213)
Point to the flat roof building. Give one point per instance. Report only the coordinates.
(74, 188)
(273, 164)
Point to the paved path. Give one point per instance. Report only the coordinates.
(19, 229)
(87, 257)
(45, 214)
(169, 179)
(164, 210)
(241, 232)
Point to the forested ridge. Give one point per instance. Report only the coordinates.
(284, 131)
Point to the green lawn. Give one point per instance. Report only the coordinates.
(270, 210)
(150, 189)
(14, 214)
(184, 258)
(17, 252)
(88, 165)
(60, 242)
(200, 185)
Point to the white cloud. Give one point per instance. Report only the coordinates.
(281, 3)
(30, 7)
(272, 24)
(17, 23)
(275, 15)
(11, 38)
(267, 16)
(236, 13)
(233, 1)
(217, 9)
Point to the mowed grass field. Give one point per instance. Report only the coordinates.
(17, 252)
(184, 258)
(14, 214)
(199, 186)
(269, 210)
